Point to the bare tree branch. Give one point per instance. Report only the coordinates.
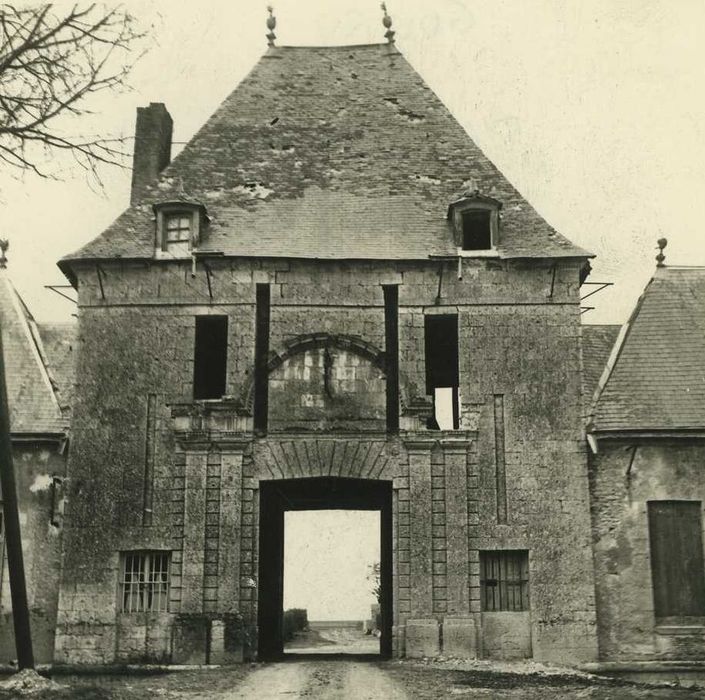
(51, 64)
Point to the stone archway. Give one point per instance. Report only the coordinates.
(311, 341)
(315, 493)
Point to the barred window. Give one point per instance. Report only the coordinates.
(504, 580)
(145, 581)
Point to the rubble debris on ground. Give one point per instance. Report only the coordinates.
(28, 682)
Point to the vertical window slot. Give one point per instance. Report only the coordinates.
(261, 407)
(210, 357)
(442, 375)
(391, 330)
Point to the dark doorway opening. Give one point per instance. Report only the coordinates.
(317, 493)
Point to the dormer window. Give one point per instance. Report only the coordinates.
(477, 229)
(179, 228)
(475, 221)
(177, 233)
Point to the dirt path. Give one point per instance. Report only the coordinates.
(356, 679)
(331, 680)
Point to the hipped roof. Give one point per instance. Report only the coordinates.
(333, 153)
(32, 392)
(598, 341)
(655, 380)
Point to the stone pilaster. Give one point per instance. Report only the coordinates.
(194, 529)
(456, 489)
(230, 528)
(421, 529)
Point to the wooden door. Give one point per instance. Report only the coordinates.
(678, 575)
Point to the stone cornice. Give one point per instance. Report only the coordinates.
(448, 440)
(204, 440)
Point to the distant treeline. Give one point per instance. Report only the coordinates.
(295, 620)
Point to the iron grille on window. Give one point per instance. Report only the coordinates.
(504, 580)
(145, 582)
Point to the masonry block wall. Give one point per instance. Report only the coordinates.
(152, 469)
(40, 468)
(625, 475)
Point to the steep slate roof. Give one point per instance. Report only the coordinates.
(657, 379)
(598, 341)
(59, 341)
(32, 399)
(331, 152)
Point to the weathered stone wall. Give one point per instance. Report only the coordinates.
(327, 389)
(624, 475)
(39, 471)
(514, 476)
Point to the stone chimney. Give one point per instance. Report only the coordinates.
(152, 147)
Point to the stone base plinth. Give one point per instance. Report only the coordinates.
(422, 638)
(460, 637)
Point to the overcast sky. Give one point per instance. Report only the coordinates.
(327, 559)
(593, 109)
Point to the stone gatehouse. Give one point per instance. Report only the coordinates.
(330, 298)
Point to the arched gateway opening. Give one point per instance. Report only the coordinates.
(318, 493)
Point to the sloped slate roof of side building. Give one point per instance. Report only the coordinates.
(39, 383)
(598, 341)
(655, 379)
(333, 153)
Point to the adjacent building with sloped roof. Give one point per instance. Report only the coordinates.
(598, 341)
(647, 434)
(330, 299)
(39, 375)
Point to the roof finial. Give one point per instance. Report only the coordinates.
(661, 243)
(387, 22)
(271, 23)
(4, 245)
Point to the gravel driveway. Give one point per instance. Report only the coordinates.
(354, 679)
(327, 680)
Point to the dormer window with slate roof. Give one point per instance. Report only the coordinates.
(180, 227)
(475, 221)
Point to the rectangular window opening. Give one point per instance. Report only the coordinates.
(442, 375)
(178, 228)
(177, 234)
(477, 232)
(144, 586)
(504, 580)
(677, 572)
(210, 357)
